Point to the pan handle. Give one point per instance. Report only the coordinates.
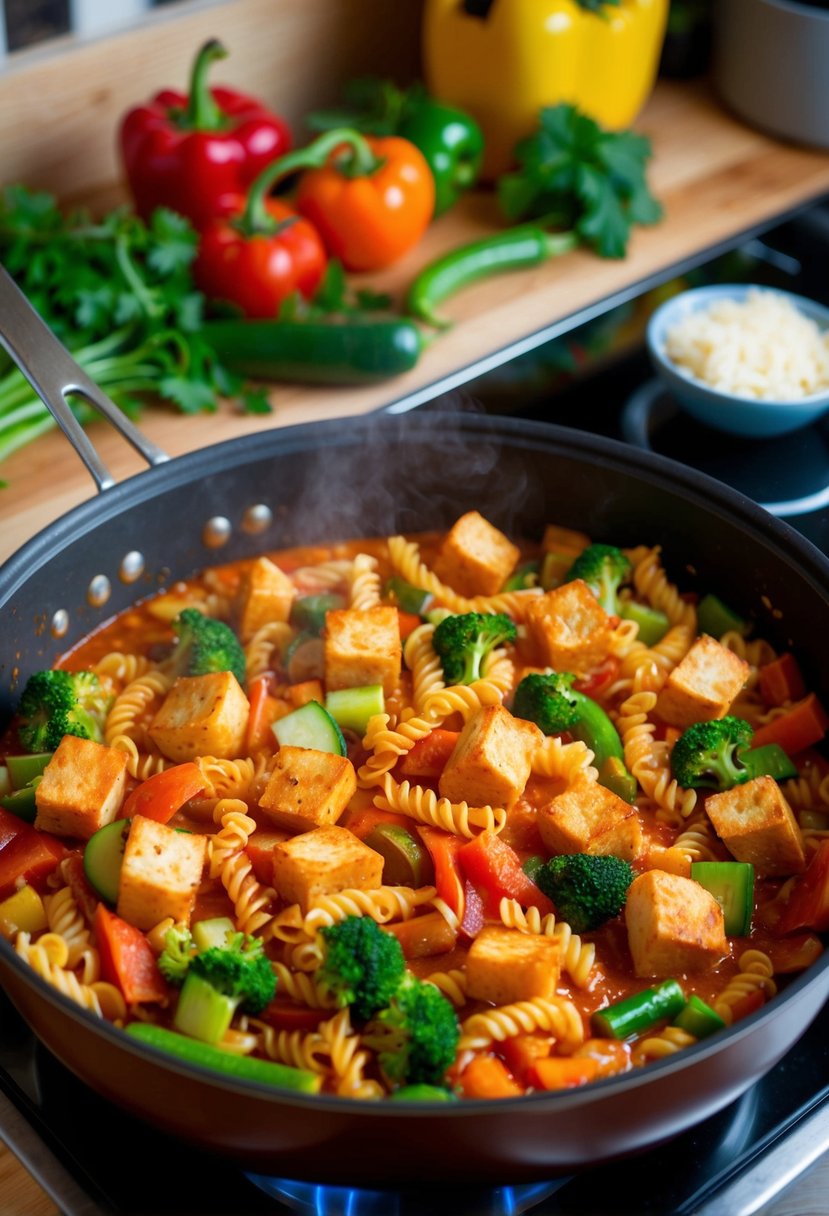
(54, 375)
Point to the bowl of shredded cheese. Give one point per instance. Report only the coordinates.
(741, 358)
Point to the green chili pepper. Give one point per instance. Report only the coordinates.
(516, 249)
(357, 350)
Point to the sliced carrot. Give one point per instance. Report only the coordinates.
(800, 727)
(495, 869)
(781, 680)
(488, 1077)
(408, 622)
(422, 936)
(562, 1072)
(259, 849)
(429, 755)
(521, 1051)
(160, 796)
(127, 959)
(307, 690)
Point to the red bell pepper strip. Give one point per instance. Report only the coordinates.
(781, 680)
(429, 755)
(443, 849)
(127, 959)
(193, 152)
(160, 796)
(495, 869)
(27, 854)
(808, 903)
(371, 199)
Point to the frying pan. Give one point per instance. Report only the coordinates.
(375, 476)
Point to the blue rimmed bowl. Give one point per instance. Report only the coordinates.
(725, 411)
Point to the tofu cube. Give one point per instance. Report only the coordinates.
(323, 862)
(756, 824)
(504, 965)
(568, 628)
(587, 818)
(82, 788)
(703, 685)
(491, 761)
(475, 558)
(674, 925)
(362, 646)
(160, 874)
(266, 595)
(308, 788)
(202, 716)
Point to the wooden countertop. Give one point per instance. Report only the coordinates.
(717, 178)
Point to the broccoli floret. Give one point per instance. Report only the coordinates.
(205, 645)
(363, 965)
(177, 955)
(587, 889)
(463, 641)
(549, 701)
(240, 970)
(708, 754)
(57, 703)
(417, 1036)
(604, 568)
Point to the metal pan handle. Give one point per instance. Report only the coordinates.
(54, 375)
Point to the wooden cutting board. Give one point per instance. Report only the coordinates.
(717, 178)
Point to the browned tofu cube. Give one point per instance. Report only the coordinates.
(323, 862)
(587, 818)
(756, 824)
(82, 788)
(308, 788)
(491, 761)
(475, 558)
(160, 874)
(266, 595)
(674, 925)
(202, 716)
(504, 965)
(362, 646)
(703, 685)
(568, 627)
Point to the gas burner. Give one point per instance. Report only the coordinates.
(310, 1199)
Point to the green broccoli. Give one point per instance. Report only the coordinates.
(587, 889)
(177, 955)
(363, 965)
(604, 568)
(555, 706)
(709, 754)
(463, 641)
(205, 645)
(57, 703)
(417, 1036)
(221, 980)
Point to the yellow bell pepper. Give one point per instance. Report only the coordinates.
(503, 60)
(22, 912)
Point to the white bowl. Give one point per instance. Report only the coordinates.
(718, 408)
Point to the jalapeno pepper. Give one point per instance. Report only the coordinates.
(193, 152)
(449, 138)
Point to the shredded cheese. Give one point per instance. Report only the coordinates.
(761, 347)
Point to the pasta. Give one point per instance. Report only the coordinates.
(371, 796)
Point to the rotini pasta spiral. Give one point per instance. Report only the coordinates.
(557, 1015)
(423, 804)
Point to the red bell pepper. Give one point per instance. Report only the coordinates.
(26, 854)
(801, 726)
(160, 796)
(194, 152)
(495, 869)
(808, 903)
(259, 255)
(127, 959)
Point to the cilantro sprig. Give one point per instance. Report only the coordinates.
(577, 175)
(119, 293)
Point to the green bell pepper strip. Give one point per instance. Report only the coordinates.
(698, 1019)
(716, 618)
(596, 729)
(768, 761)
(516, 249)
(639, 1012)
(732, 885)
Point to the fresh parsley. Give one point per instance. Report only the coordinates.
(576, 175)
